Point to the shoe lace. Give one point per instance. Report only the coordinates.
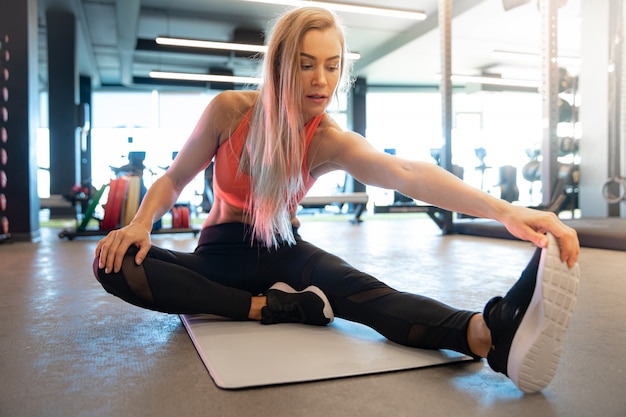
(288, 313)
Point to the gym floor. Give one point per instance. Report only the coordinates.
(67, 348)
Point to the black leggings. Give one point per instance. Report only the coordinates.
(226, 270)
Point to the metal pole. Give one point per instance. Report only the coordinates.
(549, 90)
(612, 188)
(445, 24)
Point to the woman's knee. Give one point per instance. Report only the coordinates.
(95, 267)
(130, 283)
(99, 272)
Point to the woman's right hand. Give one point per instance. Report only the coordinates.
(111, 249)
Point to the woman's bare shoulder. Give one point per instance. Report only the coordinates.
(232, 102)
(228, 108)
(329, 143)
(330, 131)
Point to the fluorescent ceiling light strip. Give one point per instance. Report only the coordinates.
(350, 8)
(228, 46)
(204, 77)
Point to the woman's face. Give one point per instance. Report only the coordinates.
(320, 69)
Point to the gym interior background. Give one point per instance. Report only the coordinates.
(81, 92)
(89, 98)
(522, 98)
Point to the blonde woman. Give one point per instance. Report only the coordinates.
(251, 263)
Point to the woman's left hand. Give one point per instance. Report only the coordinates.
(529, 224)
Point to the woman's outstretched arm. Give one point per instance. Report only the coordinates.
(430, 183)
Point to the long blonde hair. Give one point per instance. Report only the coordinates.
(275, 148)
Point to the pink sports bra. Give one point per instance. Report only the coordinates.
(232, 185)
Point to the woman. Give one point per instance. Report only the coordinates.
(269, 147)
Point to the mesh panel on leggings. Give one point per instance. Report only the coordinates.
(136, 278)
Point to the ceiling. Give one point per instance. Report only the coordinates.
(114, 38)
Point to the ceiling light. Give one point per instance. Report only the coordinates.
(228, 46)
(351, 8)
(210, 78)
(193, 43)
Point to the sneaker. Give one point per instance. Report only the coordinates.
(527, 325)
(286, 305)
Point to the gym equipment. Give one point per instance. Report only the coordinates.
(113, 207)
(343, 193)
(360, 199)
(508, 183)
(614, 189)
(208, 197)
(340, 349)
(88, 214)
(608, 190)
(126, 191)
(438, 215)
(481, 154)
(180, 216)
(123, 202)
(132, 199)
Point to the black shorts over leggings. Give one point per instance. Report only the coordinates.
(226, 270)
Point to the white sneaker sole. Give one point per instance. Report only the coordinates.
(327, 311)
(537, 344)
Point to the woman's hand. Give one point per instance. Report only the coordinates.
(112, 248)
(529, 224)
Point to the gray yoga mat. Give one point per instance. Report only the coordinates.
(248, 354)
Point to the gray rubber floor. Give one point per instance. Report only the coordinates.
(67, 348)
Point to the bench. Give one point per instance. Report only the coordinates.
(435, 213)
(320, 201)
(54, 201)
